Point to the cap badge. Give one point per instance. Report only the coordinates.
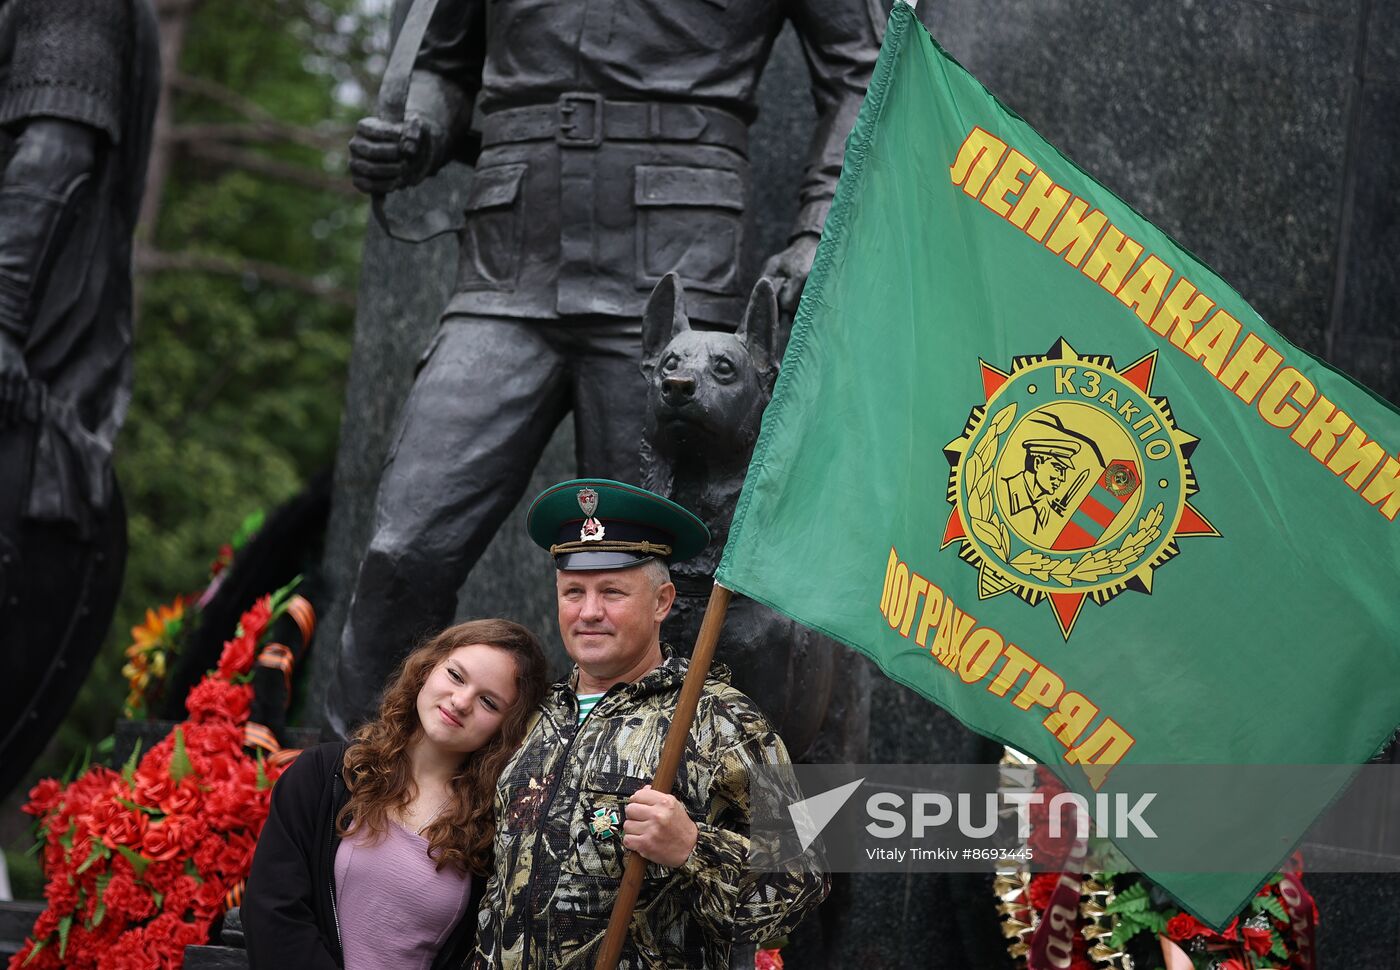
(592, 530)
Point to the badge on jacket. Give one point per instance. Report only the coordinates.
(603, 825)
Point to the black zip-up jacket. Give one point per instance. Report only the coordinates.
(289, 914)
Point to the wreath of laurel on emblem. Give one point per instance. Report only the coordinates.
(592, 530)
(1071, 482)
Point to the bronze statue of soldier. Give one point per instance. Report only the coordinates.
(78, 87)
(611, 148)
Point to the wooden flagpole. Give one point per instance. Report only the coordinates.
(665, 776)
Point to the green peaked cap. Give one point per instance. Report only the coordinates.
(596, 523)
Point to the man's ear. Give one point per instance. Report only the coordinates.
(665, 599)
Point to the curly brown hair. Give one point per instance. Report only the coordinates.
(376, 766)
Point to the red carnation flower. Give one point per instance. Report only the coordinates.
(179, 898)
(1261, 941)
(184, 799)
(43, 797)
(161, 841)
(209, 899)
(255, 620)
(237, 657)
(153, 784)
(127, 828)
(133, 951)
(224, 807)
(126, 900)
(46, 924)
(45, 959)
(93, 784)
(215, 746)
(61, 893)
(206, 857)
(1042, 889)
(190, 934)
(82, 949)
(212, 697)
(97, 816)
(1183, 926)
(237, 856)
(194, 832)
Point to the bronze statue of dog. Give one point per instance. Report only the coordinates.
(707, 392)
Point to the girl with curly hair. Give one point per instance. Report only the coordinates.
(374, 853)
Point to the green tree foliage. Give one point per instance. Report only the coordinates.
(239, 379)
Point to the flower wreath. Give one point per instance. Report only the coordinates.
(141, 862)
(1108, 912)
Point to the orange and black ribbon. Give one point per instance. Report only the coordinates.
(257, 735)
(279, 656)
(299, 608)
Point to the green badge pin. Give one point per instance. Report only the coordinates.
(603, 824)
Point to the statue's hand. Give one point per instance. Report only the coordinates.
(788, 270)
(13, 376)
(387, 155)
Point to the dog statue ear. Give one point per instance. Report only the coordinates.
(663, 318)
(759, 329)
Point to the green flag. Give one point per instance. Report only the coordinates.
(1049, 470)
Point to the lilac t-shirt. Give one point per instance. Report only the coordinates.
(395, 908)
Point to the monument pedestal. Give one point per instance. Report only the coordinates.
(16, 920)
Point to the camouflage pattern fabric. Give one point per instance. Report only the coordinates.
(549, 899)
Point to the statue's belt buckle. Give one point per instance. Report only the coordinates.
(580, 120)
(603, 825)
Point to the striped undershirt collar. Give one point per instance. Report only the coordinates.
(586, 703)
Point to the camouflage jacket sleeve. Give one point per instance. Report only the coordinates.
(730, 899)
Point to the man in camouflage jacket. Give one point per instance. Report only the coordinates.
(575, 798)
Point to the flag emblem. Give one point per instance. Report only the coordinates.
(1070, 482)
